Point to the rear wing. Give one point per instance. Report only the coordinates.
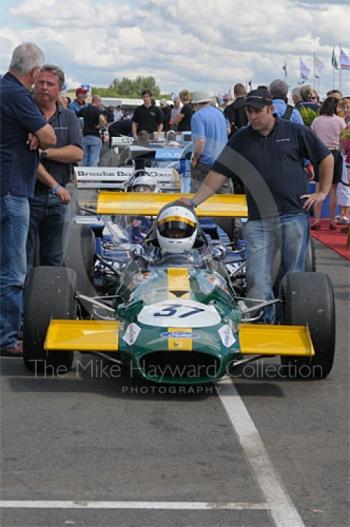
(149, 204)
(168, 179)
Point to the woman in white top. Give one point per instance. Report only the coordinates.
(328, 127)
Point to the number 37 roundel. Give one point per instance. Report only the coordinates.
(178, 314)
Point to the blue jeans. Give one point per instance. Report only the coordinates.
(92, 149)
(47, 219)
(14, 213)
(288, 234)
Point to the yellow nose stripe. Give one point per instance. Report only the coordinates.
(178, 282)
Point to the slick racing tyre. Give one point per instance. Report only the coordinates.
(310, 264)
(308, 299)
(49, 294)
(80, 256)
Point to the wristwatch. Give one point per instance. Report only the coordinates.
(43, 154)
(192, 204)
(56, 189)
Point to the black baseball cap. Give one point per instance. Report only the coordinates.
(259, 98)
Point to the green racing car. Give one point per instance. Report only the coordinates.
(177, 311)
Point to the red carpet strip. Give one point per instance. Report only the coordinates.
(335, 240)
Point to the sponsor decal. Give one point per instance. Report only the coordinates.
(131, 334)
(226, 336)
(180, 335)
(93, 173)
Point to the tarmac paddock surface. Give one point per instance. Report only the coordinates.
(257, 450)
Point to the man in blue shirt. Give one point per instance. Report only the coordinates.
(23, 129)
(209, 135)
(80, 100)
(49, 204)
(279, 93)
(267, 156)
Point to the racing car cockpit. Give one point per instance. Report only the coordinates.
(176, 232)
(176, 239)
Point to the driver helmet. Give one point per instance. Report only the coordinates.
(176, 228)
(140, 181)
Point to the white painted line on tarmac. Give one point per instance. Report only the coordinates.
(279, 503)
(161, 505)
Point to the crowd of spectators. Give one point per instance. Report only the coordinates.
(44, 133)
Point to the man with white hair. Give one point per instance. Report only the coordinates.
(279, 93)
(175, 110)
(23, 130)
(296, 98)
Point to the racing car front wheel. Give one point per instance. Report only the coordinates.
(308, 299)
(49, 293)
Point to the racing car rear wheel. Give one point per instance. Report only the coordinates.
(80, 256)
(308, 299)
(73, 207)
(49, 294)
(232, 227)
(310, 264)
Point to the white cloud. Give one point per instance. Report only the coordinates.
(183, 43)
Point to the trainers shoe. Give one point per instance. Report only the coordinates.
(13, 351)
(316, 226)
(343, 220)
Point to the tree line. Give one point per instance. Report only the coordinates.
(130, 88)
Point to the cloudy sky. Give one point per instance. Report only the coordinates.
(194, 44)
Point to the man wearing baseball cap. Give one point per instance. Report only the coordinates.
(80, 100)
(267, 156)
(209, 136)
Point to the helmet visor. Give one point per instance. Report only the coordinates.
(176, 227)
(143, 188)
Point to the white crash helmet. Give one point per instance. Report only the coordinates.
(141, 181)
(176, 228)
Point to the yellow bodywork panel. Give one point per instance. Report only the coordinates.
(266, 339)
(149, 204)
(82, 335)
(180, 343)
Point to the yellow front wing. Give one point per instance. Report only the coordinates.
(266, 339)
(101, 335)
(82, 335)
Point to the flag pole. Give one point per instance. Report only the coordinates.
(340, 74)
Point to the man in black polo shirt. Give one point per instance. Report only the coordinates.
(94, 121)
(49, 204)
(235, 113)
(23, 128)
(268, 157)
(147, 117)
